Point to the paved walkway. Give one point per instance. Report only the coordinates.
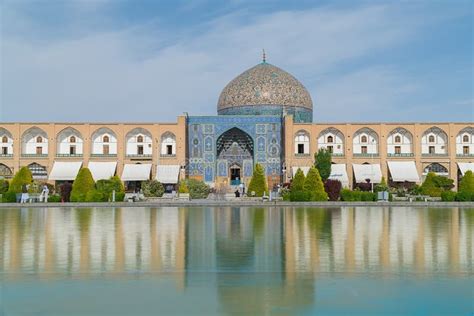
(239, 203)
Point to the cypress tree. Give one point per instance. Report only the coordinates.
(22, 177)
(314, 186)
(297, 191)
(258, 183)
(82, 185)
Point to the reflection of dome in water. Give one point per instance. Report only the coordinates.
(265, 89)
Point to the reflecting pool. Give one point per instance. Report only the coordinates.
(230, 260)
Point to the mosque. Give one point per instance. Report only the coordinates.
(265, 116)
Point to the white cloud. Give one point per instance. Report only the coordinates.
(134, 75)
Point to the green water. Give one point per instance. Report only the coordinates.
(252, 261)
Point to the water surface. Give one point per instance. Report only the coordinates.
(170, 260)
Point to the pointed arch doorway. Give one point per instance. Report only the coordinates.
(235, 153)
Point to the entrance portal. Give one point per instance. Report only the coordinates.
(235, 178)
(235, 146)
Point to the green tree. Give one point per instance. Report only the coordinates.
(183, 187)
(258, 183)
(322, 162)
(297, 188)
(4, 185)
(152, 188)
(22, 177)
(197, 189)
(314, 186)
(82, 185)
(467, 183)
(434, 185)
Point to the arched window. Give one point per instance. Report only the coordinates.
(330, 139)
(302, 143)
(465, 139)
(5, 171)
(398, 139)
(431, 139)
(39, 139)
(105, 139)
(72, 139)
(38, 171)
(4, 139)
(363, 139)
(436, 168)
(139, 139)
(168, 144)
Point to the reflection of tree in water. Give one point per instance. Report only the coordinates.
(84, 218)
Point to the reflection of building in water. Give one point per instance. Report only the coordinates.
(92, 240)
(293, 244)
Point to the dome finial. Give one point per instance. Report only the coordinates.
(264, 57)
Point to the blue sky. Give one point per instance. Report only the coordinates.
(143, 60)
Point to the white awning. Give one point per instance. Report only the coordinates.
(167, 173)
(304, 169)
(363, 172)
(339, 172)
(402, 171)
(102, 170)
(466, 166)
(65, 170)
(136, 172)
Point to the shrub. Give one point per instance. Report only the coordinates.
(367, 196)
(347, 195)
(434, 185)
(151, 188)
(333, 189)
(258, 183)
(448, 196)
(198, 189)
(314, 186)
(96, 196)
(467, 183)
(22, 177)
(298, 181)
(300, 196)
(9, 197)
(106, 188)
(183, 188)
(82, 185)
(4, 185)
(285, 194)
(65, 191)
(464, 196)
(119, 197)
(322, 162)
(54, 198)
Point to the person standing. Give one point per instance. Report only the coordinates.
(24, 193)
(45, 193)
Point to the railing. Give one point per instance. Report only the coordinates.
(34, 155)
(464, 155)
(103, 155)
(68, 155)
(167, 156)
(302, 155)
(6, 155)
(400, 155)
(138, 156)
(366, 155)
(337, 154)
(434, 155)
